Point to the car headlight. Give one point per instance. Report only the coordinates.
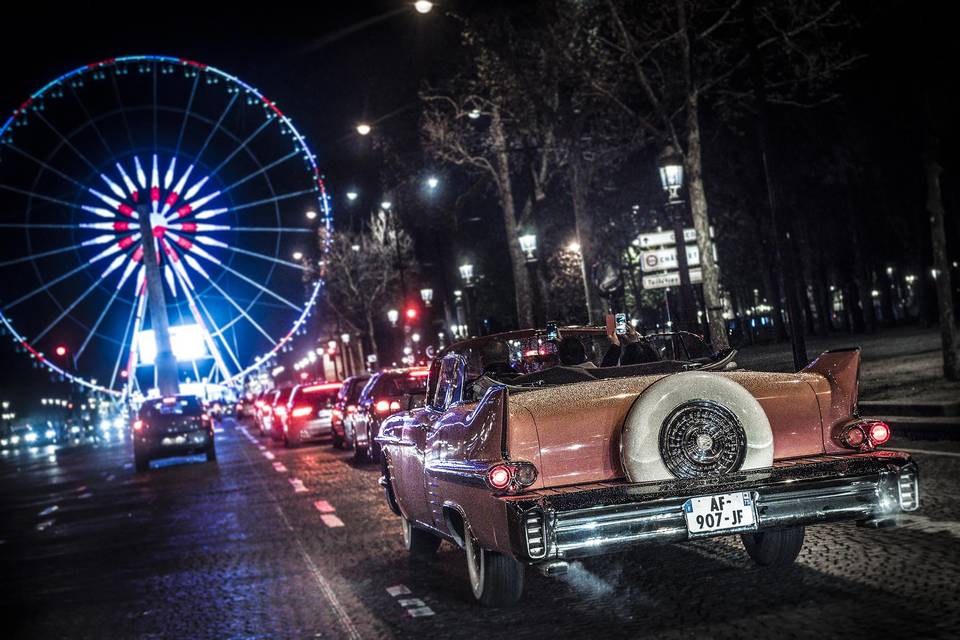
(74, 429)
(30, 437)
(15, 440)
(4, 442)
(50, 434)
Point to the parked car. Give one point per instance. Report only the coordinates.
(261, 407)
(386, 393)
(346, 406)
(278, 411)
(309, 412)
(522, 463)
(171, 426)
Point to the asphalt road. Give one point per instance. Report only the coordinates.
(275, 543)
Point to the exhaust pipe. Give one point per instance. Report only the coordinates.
(553, 569)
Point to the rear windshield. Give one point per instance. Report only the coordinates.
(319, 396)
(356, 387)
(395, 385)
(177, 406)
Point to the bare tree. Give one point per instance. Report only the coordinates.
(487, 122)
(361, 272)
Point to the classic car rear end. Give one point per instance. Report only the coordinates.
(564, 463)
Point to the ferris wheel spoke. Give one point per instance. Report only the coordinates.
(271, 200)
(136, 313)
(40, 196)
(243, 312)
(44, 254)
(65, 312)
(247, 252)
(67, 142)
(46, 166)
(123, 110)
(186, 114)
(45, 287)
(96, 325)
(215, 128)
(243, 145)
(261, 170)
(96, 128)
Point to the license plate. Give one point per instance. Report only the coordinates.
(727, 512)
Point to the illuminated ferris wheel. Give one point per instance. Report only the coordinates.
(177, 154)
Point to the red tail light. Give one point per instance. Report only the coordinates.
(386, 406)
(879, 432)
(500, 476)
(138, 425)
(351, 408)
(301, 411)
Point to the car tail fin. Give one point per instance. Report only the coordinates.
(841, 368)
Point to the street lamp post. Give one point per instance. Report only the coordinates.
(467, 275)
(670, 164)
(528, 245)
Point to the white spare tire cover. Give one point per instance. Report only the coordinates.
(694, 424)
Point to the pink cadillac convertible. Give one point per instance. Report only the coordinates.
(533, 452)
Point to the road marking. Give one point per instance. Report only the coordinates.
(280, 467)
(932, 452)
(324, 507)
(345, 621)
(111, 478)
(406, 603)
(331, 520)
(420, 612)
(84, 496)
(297, 485)
(128, 465)
(398, 590)
(44, 525)
(268, 455)
(48, 510)
(218, 429)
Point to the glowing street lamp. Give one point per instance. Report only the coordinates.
(528, 244)
(352, 195)
(385, 205)
(60, 351)
(466, 272)
(393, 315)
(363, 129)
(423, 6)
(433, 182)
(298, 255)
(670, 164)
(574, 247)
(311, 214)
(426, 294)
(345, 338)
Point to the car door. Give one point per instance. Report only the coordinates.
(411, 481)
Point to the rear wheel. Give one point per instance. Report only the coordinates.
(417, 541)
(495, 579)
(776, 548)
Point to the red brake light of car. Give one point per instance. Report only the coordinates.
(300, 412)
(419, 373)
(138, 425)
(499, 477)
(328, 386)
(386, 406)
(352, 408)
(879, 432)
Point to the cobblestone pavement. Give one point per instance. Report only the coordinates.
(275, 543)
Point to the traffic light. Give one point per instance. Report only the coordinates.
(411, 313)
(61, 351)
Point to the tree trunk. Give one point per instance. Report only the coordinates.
(701, 223)
(521, 280)
(579, 186)
(371, 335)
(949, 338)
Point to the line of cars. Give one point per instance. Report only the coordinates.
(348, 413)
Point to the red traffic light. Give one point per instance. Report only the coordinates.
(61, 351)
(411, 313)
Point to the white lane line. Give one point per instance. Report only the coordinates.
(111, 478)
(84, 496)
(298, 485)
(45, 524)
(398, 590)
(324, 507)
(48, 510)
(406, 603)
(345, 621)
(932, 452)
(420, 612)
(218, 429)
(332, 520)
(268, 455)
(261, 447)
(279, 467)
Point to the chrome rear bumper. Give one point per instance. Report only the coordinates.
(564, 524)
